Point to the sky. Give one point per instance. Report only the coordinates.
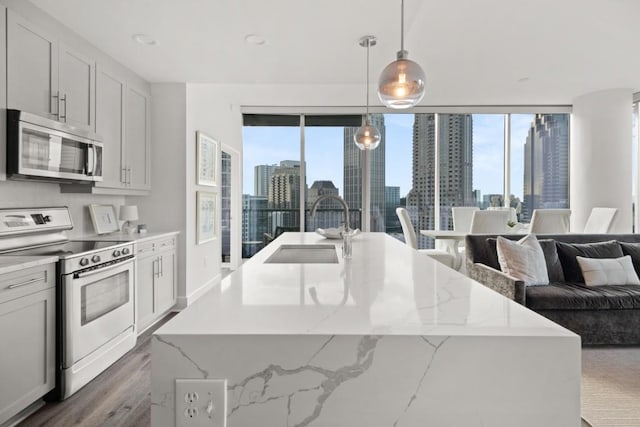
(324, 151)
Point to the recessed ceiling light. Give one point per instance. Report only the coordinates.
(523, 79)
(145, 39)
(255, 39)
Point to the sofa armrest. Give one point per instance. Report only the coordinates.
(500, 282)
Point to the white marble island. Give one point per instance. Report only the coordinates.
(387, 338)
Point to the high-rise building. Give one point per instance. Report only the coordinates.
(353, 168)
(392, 201)
(329, 213)
(255, 222)
(261, 176)
(284, 186)
(455, 133)
(546, 164)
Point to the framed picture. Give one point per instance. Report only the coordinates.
(207, 159)
(104, 218)
(206, 216)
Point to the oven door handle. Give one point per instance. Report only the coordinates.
(102, 269)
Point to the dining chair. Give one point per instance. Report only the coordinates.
(512, 212)
(550, 221)
(462, 216)
(600, 220)
(411, 240)
(489, 222)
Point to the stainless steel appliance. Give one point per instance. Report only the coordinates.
(47, 150)
(95, 322)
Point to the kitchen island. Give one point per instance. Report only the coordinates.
(387, 338)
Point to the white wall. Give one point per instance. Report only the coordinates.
(600, 157)
(23, 194)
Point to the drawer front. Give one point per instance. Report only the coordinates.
(164, 244)
(145, 248)
(24, 282)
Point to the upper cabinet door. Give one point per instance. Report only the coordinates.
(110, 95)
(77, 86)
(137, 139)
(32, 68)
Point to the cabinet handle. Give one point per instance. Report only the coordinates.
(153, 264)
(28, 282)
(129, 180)
(123, 176)
(57, 98)
(162, 266)
(63, 99)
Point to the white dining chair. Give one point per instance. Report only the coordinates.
(600, 220)
(512, 212)
(489, 222)
(411, 240)
(462, 216)
(550, 221)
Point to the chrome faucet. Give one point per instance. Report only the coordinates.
(347, 228)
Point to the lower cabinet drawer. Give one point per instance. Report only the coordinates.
(24, 282)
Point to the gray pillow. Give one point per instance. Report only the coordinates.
(632, 249)
(567, 252)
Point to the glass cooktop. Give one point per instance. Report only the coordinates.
(67, 249)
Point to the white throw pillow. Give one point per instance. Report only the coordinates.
(608, 271)
(523, 260)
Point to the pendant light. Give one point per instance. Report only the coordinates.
(401, 83)
(367, 137)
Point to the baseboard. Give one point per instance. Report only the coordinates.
(24, 414)
(185, 301)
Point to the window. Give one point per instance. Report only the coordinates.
(426, 162)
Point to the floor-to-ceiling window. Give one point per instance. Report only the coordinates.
(427, 162)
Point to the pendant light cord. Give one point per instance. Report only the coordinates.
(367, 86)
(402, 25)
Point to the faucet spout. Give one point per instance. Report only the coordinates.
(339, 199)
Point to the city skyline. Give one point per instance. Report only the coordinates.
(268, 145)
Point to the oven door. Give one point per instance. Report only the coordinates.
(98, 306)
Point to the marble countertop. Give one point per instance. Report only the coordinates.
(387, 288)
(11, 263)
(137, 237)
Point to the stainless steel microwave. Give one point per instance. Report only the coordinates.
(46, 150)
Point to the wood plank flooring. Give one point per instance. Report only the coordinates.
(120, 396)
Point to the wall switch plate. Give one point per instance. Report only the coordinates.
(201, 403)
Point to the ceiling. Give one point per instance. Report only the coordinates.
(473, 52)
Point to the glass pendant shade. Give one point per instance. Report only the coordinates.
(401, 83)
(367, 137)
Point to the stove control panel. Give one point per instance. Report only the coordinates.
(34, 220)
(99, 257)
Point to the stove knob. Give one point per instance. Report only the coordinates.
(84, 261)
(125, 251)
(116, 253)
(95, 258)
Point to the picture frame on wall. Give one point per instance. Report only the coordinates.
(207, 157)
(104, 218)
(205, 216)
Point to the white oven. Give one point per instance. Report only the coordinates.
(98, 320)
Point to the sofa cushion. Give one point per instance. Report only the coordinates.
(576, 296)
(554, 267)
(567, 252)
(605, 271)
(633, 250)
(523, 260)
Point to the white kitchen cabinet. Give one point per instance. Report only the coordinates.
(156, 280)
(27, 328)
(137, 114)
(46, 77)
(32, 68)
(110, 95)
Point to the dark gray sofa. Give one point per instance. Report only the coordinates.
(600, 314)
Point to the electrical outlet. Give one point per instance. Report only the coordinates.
(201, 403)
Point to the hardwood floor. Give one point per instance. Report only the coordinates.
(120, 396)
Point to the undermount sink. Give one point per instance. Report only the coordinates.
(304, 254)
